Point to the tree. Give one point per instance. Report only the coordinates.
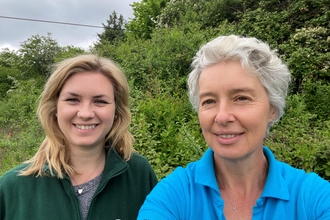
(68, 52)
(208, 13)
(6, 80)
(8, 70)
(114, 29)
(8, 58)
(37, 54)
(145, 17)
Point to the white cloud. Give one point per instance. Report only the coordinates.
(88, 12)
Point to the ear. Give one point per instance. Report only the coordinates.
(272, 114)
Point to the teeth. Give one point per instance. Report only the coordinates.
(227, 135)
(85, 127)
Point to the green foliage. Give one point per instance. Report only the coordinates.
(297, 141)
(8, 70)
(37, 54)
(145, 16)
(113, 30)
(68, 52)
(8, 58)
(6, 80)
(20, 146)
(167, 56)
(317, 98)
(19, 123)
(20, 104)
(165, 128)
(209, 14)
(271, 27)
(306, 13)
(308, 56)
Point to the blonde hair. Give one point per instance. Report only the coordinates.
(53, 150)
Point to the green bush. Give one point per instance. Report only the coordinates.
(317, 98)
(18, 119)
(299, 142)
(166, 130)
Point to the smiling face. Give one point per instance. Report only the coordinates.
(234, 110)
(86, 109)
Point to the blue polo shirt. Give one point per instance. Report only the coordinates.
(193, 193)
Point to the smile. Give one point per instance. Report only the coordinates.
(85, 127)
(225, 136)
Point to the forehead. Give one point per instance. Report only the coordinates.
(88, 81)
(229, 76)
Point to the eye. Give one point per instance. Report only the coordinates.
(208, 102)
(72, 100)
(100, 102)
(242, 98)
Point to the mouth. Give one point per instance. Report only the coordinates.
(85, 127)
(228, 136)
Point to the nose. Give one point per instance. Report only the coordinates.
(86, 112)
(224, 115)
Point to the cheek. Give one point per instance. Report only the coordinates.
(107, 117)
(204, 120)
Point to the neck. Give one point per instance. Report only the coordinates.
(240, 189)
(84, 162)
(245, 178)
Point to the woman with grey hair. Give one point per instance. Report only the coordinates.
(238, 86)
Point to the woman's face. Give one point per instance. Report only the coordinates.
(240, 105)
(86, 109)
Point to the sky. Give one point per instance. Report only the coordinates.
(86, 12)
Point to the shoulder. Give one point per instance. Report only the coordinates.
(313, 195)
(136, 157)
(11, 179)
(179, 181)
(314, 184)
(138, 160)
(13, 173)
(279, 170)
(295, 178)
(307, 191)
(169, 199)
(139, 165)
(299, 177)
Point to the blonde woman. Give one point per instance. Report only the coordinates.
(86, 167)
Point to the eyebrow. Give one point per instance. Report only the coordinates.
(203, 94)
(231, 91)
(76, 95)
(244, 89)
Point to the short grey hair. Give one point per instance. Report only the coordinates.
(255, 56)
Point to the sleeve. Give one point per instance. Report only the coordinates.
(318, 197)
(322, 188)
(152, 177)
(140, 163)
(2, 203)
(169, 199)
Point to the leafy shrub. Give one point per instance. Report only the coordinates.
(37, 54)
(317, 99)
(297, 141)
(307, 56)
(165, 129)
(167, 56)
(20, 104)
(20, 131)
